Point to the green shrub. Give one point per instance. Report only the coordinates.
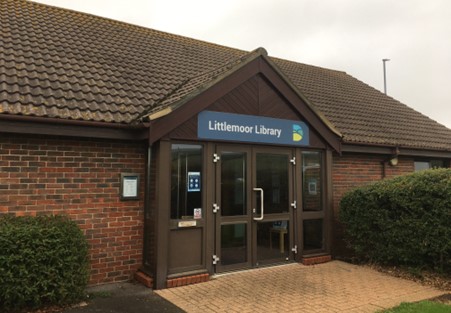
(43, 261)
(403, 221)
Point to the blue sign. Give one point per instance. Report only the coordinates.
(193, 181)
(249, 128)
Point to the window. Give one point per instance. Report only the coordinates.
(425, 165)
(311, 181)
(233, 183)
(312, 201)
(186, 181)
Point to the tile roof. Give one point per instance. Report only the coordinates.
(65, 64)
(192, 86)
(363, 114)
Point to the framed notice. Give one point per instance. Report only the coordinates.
(129, 186)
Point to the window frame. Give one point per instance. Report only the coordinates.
(314, 215)
(175, 220)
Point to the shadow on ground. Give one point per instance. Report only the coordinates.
(124, 297)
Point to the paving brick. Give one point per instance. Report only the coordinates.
(331, 287)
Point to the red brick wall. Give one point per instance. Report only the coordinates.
(80, 178)
(353, 170)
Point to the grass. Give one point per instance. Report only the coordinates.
(420, 307)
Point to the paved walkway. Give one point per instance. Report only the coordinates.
(331, 287)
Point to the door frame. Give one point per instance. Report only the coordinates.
(220, 220)
(289, 216)
(251, 202)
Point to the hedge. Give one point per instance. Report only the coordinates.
(43, 261)
(401, 221)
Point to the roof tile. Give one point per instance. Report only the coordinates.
(70, 65)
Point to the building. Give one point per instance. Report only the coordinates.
(181, 158)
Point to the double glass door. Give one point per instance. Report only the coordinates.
(254, 199)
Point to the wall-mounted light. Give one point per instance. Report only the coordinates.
(393, 160)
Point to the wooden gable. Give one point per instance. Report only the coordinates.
(256, 90)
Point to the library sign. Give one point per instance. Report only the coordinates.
(249, 128)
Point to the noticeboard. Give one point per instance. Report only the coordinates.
(129, 186)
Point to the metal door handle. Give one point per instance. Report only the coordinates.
(261, 205)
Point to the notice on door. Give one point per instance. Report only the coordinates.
(197, 213)
(193, 181)
(249, 128)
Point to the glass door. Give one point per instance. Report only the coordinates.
(254, 190)
(272, 211)
(233, 219)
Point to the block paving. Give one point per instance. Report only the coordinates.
(331, 287)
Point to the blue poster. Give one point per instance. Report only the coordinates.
(249, 128)
(193, 181)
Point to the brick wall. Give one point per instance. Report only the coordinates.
(80, 178)
(354, 170)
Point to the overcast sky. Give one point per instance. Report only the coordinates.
(348, 35)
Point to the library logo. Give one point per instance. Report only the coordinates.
(298, 133)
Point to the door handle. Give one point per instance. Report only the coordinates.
(261, 205)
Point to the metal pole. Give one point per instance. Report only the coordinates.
(385, 76)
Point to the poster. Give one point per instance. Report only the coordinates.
(197, 213)
(312, 187)
(130, 187)
(193, 181)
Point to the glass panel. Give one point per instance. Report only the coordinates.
(311, 181)
(272, 176)
(437, 164)
(425, 165)
(272, 240)
(233, 183)
(233, 244)
(186, 173)
(313, 234)
(420, 165)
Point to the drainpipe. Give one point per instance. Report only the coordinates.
(384, 164)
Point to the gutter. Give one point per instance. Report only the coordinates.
(53, 120)
(395, 149)
(20, 124)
